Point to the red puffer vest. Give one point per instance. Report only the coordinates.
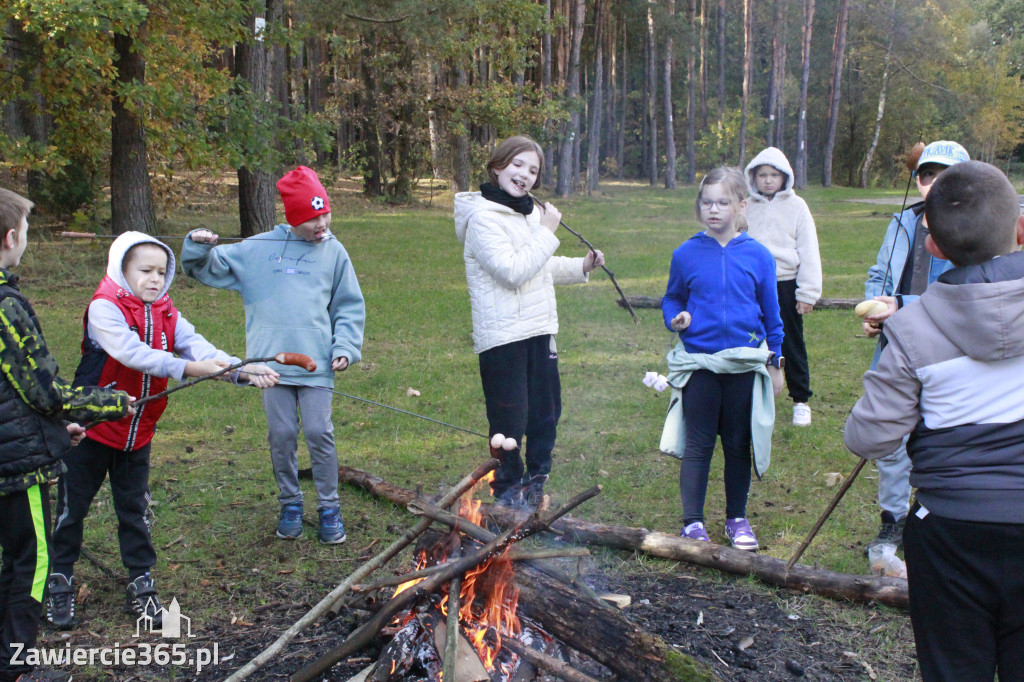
(155, 325)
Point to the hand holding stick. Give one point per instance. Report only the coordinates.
(611, 275)
(295, 359)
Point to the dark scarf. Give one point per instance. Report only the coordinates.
(523, 204)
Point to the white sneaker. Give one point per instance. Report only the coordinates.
(801, 414)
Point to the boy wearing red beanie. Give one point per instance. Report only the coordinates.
(301, 296)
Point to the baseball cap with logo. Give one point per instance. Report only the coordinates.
(943, 152)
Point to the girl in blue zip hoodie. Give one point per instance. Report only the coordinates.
(301, 296)
(722, 301)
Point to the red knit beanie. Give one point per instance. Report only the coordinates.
(303, 196)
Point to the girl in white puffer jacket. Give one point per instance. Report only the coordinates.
(511, 271)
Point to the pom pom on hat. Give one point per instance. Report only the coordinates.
(303, 195)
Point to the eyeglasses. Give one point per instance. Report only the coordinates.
(723, 204)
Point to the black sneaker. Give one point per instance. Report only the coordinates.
(60, 601)
(533, 491)
(511, 499)
(141, 599)
(890, 533)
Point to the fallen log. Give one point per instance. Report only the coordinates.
(823, 303)
(591, 627)
(802, 578)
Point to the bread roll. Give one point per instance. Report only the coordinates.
(870, 307)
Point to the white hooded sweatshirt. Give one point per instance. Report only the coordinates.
(783, 223)
(511, 271)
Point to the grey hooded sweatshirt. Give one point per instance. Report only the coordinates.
(952, 375)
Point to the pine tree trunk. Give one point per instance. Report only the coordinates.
(748, 47)
(567, 151)
(545, 86)
(620, 139)
(800, 168)
(131, 197)
(460, 156)
(652, 115)
(703, 69)
(720, 50)
(691, 96)
(834, 90)
(255, 186)
(670, 134)
(597, 103)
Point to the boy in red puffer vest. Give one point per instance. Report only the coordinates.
(134, 339)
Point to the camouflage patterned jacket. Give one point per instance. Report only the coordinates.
(34, 401)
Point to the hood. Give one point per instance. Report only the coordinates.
(120, 247)
(467, 205)
(770, 156)
(979, 307)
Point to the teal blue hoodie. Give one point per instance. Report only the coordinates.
(299, 297)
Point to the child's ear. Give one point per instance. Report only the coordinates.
(931, 247)
(9, 239)
(1020, 230)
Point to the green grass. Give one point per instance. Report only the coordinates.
(213, 489)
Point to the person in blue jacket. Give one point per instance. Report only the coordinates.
(723, 302)
(301, 295)
(900, 275)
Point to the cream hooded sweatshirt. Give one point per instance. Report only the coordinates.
(784, 225)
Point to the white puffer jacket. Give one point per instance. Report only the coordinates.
(511, 271)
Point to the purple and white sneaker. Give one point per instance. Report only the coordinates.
(740, 534)
(695, 531)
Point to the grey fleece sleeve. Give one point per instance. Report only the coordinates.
(889, 408)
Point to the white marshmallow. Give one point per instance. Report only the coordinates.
(661, 384)
(509, 444)
(650, 378)
(496, 440)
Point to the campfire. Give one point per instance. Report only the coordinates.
(480, 606)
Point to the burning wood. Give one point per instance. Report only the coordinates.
(497, 621)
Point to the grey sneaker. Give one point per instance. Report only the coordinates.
(60, 601)
(141, 600)
(890, 532)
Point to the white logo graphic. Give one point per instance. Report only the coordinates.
(317, 203)
(171, 622)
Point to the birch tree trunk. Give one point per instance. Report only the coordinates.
(800, 169)
(670, 134)
(834, 90)
(870, 156)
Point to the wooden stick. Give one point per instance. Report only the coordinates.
(828, 512)
(373, 564)
(554, 666)
(451, 649)
(368, 630)
(623, 301)
(514, 554)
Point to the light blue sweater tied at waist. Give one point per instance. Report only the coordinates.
(729, 361)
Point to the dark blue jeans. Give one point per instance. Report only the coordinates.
(716, 405)
(523, 394)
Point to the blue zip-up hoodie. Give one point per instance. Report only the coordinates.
(729, 291)
(299, 297)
